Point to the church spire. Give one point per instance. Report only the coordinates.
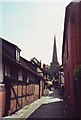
(54, 57)
(54, 64)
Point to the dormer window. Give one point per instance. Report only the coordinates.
(17, 55)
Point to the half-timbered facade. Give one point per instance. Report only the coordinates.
(21, 82)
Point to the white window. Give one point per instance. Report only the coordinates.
(20, 75)
(1, 72)
(17, 55)
(7, 70)
(27, 79)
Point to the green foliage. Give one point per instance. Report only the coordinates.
(77, 71)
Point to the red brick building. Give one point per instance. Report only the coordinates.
(20, 82)
(71, 56)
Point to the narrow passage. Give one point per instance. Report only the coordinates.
(52, 107)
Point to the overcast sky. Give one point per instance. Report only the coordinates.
(32, 26)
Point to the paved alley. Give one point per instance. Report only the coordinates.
(52, 107)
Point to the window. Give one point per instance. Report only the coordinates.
(27, 79)
(17, 55)
(7, 70)
(20, 75)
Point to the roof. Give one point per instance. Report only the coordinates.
(38, 64)
(28, 65)
(11, 44)
(25, 63)
(22, 63)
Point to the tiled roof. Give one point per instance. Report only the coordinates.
(23, 62)
(11, 44)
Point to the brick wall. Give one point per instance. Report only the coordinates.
(24, 95)
(72, 55)
(2, 99)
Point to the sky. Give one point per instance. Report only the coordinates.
(32, 24)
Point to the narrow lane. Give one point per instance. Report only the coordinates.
(52, 107)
